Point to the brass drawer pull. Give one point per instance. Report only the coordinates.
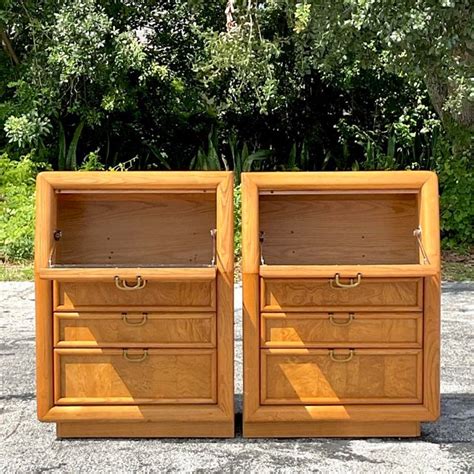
(140, 322)
(337, 282)
(123, 285)
(335, 359)
(135, 359)
(344, 322)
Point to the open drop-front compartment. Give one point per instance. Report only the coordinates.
(339, 229)
(134, 229)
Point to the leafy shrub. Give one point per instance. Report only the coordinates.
(456, 180)
(237, 223)
(17, 209)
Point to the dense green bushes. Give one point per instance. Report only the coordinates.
(298, 85)
(17, 193)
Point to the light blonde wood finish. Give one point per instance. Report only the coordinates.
(251, 352)
(169, 429)
(108, 274)
(188, 290)
(431, 344)
(339, 229)
(375, 294)
(162, 295)
(135, 329)
(359, 413)
(342, 330)
(331, 429)
(134, 180)
(225, 294)
(419, 294)
(137, 413)
(311, 376)
(368, 181)
(105, 376)
(250, 226)
(45, 219)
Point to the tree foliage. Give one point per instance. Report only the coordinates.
(242, 84)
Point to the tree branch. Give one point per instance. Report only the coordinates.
(7, 46)
(229, 10)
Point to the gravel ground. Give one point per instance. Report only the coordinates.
(30, 446)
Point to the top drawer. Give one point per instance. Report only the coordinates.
(159, 295)
(372, 294)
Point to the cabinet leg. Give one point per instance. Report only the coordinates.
(144, 430)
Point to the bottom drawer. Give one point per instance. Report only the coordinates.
(116, 376)
(323, 376)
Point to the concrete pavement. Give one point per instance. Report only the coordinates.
(27, 445)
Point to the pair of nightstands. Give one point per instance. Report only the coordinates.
(134, 278)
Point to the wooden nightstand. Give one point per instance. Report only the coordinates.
(134, 290)
(341, 284)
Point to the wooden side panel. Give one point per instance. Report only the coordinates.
(225, 296)
(431, 346)
(372, 376)
(373, 294)
(105, 376)
(250, 226)
(339, 229)
(45, 225)
(342, 330)
(134, 330)
(429, 217)
(251, 298)
(165, 296)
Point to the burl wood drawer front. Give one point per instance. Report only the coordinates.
(134, 329)
(383, 294)
(110, 376)
(319, 376)
(167, 296)
(341, 329)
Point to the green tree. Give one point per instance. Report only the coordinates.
(418, 39)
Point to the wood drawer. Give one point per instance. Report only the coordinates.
(312, 377)
(373, 294)
(341, 330)
(105, 376)
(134, 329)
(160, 295)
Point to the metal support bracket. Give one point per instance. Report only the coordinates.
(418, 234)
(214, 250)
(261, 240)
(57, 234)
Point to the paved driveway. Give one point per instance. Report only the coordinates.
(30, 446)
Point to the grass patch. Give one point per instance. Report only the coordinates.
(458, 267)
(10, 272)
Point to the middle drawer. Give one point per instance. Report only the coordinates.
(134, 329)
(341, 329)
